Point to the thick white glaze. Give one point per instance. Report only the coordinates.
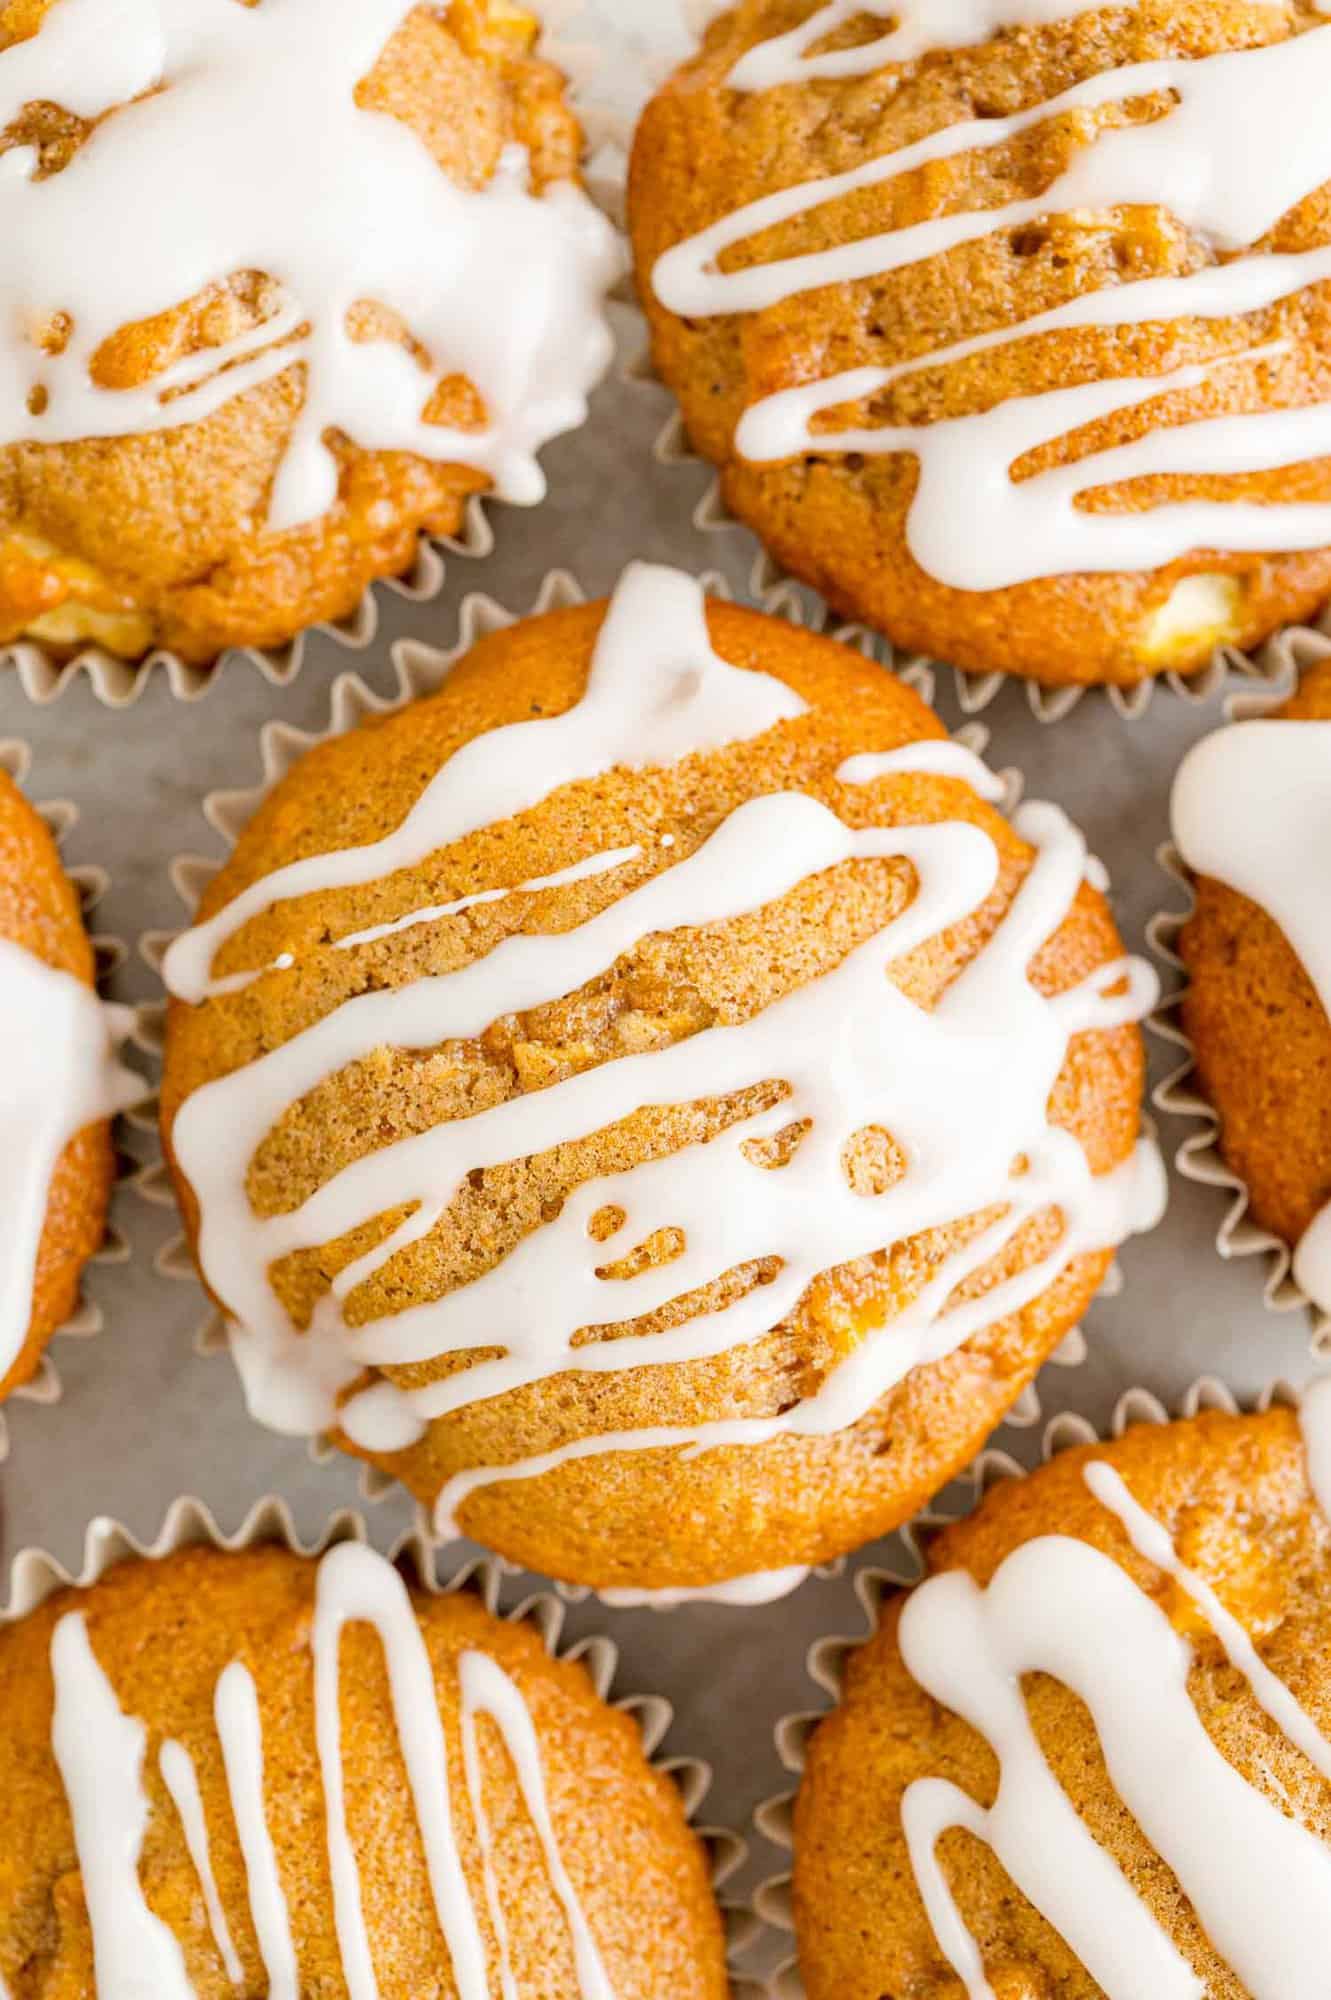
(1244, 143)
(1257, 1879)
(100, 1753)
(1251, 808)
(67, 1077)
(334, 203)
(851, 1049)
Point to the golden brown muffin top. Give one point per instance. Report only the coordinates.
(39, 910)
(164, 1635)
(658, 1003)
(1260, 1029)
(1233, 1496)
(836, 513)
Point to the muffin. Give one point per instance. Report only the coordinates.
(992, 337)
(1087, 1755)
(323, 286)
(209, 1787)
(649, 1100)
(1252, 820)
(63, 1086)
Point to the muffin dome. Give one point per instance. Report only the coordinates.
(633, 1092)
(285, 283)
(63, 1085)
(1090, 1754)
(209, 1786)
(996, 336)
(1252, 819)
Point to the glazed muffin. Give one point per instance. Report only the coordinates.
(208, 1786)
(1252, 819)
(317, 285)
(1090, 1754)
(991, 338)
(63, 1087)
(649, 1100)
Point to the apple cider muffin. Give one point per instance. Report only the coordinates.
(646, 1097)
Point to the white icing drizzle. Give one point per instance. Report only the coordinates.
(1315, 1424)
(581, 871)
(68, 1078)
(764, 1587)
(918, 27)
(240, 1733)
(1251, 808)
(1152, 1541)
(852, 1050)
(181, 1780)
(335, 203)
(1257, 1879)
(487, 1690)
(100, 1752)
(1244, 143)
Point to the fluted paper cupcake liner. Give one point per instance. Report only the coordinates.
(92, 882)
(420, 670)
(775, 589)
(1198, 1156)
(36, 1576)
(875, 1582)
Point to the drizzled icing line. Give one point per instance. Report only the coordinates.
(496, 284)
(100, 1752)
(768, 846)
(1220, 160)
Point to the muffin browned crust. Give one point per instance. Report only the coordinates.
(163, 1634)
(647, 1518)
(1261, 1037)
(159, 540)
(1233, 1493)
(837, 521)
(39, 909)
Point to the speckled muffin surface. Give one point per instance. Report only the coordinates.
(1233, 1499)
(838, 515)
(167, 537)
(599, 1489)
(1259, 1028)
(594, 1883)
(39, 910)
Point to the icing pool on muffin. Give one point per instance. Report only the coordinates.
(1089, 1753)
(676, 1129)
(1004, 324)
(284, 283)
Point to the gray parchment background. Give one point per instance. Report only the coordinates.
(144, 1418)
